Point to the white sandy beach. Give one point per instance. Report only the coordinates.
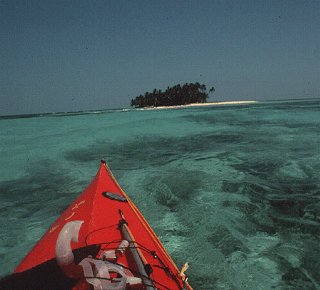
(202, 105)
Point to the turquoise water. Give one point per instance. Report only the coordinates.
(233, 190)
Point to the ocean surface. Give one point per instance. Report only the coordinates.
(233, 190)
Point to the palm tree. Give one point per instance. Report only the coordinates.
(176, 95)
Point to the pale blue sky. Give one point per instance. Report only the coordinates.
(81, 55)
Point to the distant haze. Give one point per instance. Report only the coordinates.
(82, 55)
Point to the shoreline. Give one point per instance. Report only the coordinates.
(200, 105)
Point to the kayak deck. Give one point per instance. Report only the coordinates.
(111, 229)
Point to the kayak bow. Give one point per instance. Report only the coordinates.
(101, 241)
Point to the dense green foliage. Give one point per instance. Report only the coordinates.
(176, 95)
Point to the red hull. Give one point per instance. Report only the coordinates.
(100, 227)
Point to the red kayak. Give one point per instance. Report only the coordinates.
(101, 241)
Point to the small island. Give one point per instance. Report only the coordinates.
(178, 95)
